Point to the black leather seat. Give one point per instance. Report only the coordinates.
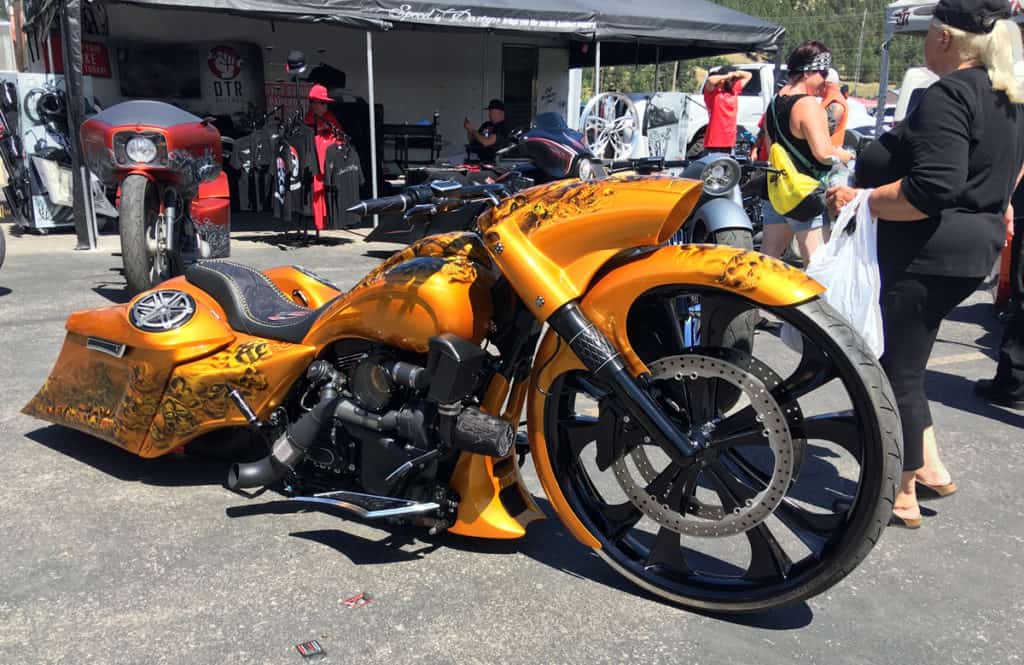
(254, 305)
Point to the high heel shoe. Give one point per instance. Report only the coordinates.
(905, 522)
(936, 491)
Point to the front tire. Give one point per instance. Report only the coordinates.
(779, 504)
(145, 257)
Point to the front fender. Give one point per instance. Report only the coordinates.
(759, 278)
(720, 214)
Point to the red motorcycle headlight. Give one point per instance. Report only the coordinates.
(123, 139)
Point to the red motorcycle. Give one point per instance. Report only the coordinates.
(173, 201)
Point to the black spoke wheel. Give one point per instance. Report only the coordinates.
(786, 495)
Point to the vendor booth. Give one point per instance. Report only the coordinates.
(406, 75)
(912, 17)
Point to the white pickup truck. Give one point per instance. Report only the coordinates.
(672, 124)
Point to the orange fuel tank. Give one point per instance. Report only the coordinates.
(440, 284)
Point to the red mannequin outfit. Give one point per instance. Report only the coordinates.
(324, 134)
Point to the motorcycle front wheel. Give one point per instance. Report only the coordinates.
(791, 487)
(144, 253)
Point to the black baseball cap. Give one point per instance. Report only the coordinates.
(975, 16)
(495, 104)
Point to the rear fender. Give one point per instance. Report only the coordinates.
(759, 278)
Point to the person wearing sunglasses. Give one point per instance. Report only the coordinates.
(796, 118)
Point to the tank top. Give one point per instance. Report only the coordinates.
(784, 109)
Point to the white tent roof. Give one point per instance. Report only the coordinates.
(915, 15)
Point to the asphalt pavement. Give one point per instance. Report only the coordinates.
(108, 558)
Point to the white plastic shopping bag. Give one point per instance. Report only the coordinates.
(847, 266)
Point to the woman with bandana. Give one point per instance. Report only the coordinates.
(942, 182)
(796, 118)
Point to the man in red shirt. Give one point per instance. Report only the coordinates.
(721, 96)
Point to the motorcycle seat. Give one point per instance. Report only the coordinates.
(253, 304)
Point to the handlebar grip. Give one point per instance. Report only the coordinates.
(379, 206)
(398, 203)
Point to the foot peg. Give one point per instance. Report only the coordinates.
(370, 506)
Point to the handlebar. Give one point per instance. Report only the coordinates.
(412, 196)
(438, 196)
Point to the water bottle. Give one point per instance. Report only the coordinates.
(840, 174)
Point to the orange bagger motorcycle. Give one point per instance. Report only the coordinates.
(705, 474)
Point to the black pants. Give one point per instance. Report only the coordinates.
(1009, 379)
(913, 306)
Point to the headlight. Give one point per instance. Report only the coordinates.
(141, 149)
(591, 170)
(720, 176)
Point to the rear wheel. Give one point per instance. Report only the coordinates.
(3, 247)
(785, 496)
(144, 253)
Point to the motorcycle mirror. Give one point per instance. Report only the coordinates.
(296, 63)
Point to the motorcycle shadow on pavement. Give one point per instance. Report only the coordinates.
(546, 542)
(170, 471)
(4, 291)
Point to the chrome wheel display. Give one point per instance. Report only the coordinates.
(611, 126)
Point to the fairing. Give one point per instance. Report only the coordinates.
(551, 240)
(193, 150)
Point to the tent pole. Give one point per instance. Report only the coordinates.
(657, 67)
(883, 87)
(597, 69)
(373, 118)
(84, 214)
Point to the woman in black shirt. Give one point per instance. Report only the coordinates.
(942, 182)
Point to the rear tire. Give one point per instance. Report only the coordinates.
(3, 247)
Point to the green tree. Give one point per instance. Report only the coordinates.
(848, 27)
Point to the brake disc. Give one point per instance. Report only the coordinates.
(700, 519)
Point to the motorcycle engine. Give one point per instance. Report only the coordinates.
(381, 425)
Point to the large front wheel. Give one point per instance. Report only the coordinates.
(149, 257)
(792, 484)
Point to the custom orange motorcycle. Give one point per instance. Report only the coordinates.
(714, 473)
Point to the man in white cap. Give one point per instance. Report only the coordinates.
(835, 108)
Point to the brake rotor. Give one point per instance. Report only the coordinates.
(698, 519)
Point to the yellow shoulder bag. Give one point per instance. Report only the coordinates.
(792, 193)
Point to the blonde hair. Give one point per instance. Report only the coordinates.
(997, 51)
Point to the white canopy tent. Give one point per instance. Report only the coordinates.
(912, 16)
